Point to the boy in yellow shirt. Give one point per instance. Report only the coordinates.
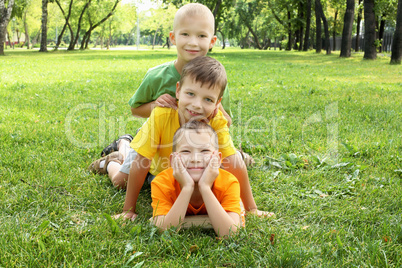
(195, 191)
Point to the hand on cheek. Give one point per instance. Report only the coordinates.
(180, 172)
(211, 172)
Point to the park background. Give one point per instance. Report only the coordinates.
(325, 132)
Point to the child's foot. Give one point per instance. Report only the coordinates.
(260, 213)
(95, 167)
(113, 146)
(248, 160)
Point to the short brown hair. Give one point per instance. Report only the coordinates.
(199, 127)
(206, 70)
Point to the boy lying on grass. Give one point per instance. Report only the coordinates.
(199, 92)
(195, 185)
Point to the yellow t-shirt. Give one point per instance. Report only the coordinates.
(155, 139)
(165, 190)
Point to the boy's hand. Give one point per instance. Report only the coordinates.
(213, 114)
(211, 172)
(126, 215)
(167, 101)
(180, 173)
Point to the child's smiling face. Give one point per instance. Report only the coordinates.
(195, 149)
(193, 37)
(196, 102)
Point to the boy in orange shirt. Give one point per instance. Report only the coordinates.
(195, 185)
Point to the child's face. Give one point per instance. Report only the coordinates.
(196, 102)
(195, 150)
(193, 37)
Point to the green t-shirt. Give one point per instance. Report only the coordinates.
(160, 80)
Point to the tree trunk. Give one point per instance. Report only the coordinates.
(255, 37)
(10, 44)
(370, 50)
(84, 43)
(223, 39)
(66, 17)
(326, 30)
(289, 46)
(5, 15)
(18, 36)
(74, 40)
(110, 36)
(396, 55)
(381, 32)
(308, 22)
(346, 43)
(334, 31)
(301, 29)
(26, 30)
(318, 31)
(153, 41)
(359, 19)
(43, 40)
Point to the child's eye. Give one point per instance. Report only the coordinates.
(184, 34)
(185, 151)
(203, 36)
(209, 100)
(190, 93)
(206, 151)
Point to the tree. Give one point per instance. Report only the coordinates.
(370, 50)
(308, 22)
(5, 15)
(359, 19)
(326, 30)
(43, 42)
(346, 43)
(92, 26)
(318, 30)
(66, 24)
(396, 55)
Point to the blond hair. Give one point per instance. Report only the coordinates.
(192, 10)
(199, 127)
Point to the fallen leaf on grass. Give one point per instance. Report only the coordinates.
(272, 239)
(305, 227)
(386, 239)
(323, 195)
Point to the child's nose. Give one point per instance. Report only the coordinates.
(196, 157)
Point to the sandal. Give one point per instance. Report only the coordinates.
(94, 167)
(248, 160)
(113, 146)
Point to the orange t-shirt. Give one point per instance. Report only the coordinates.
(165, 190)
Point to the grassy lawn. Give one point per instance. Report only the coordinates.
(326, 134)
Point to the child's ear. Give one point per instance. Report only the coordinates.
(171, 159)
(213, 41)
(177, 90)
(219, 154)
(172, 38)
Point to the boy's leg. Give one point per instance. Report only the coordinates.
(235, 165)
(118, 174)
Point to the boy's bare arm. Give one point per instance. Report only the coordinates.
(138, 172)
(235, 165)
(144, 111)
(223, 222)
(176, 214)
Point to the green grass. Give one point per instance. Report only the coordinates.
(325, 132)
